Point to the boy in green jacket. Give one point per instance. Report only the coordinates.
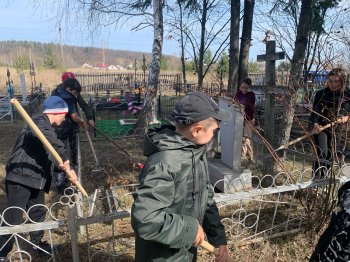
(174, 201)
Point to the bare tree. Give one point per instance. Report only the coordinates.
(303, 30)
(175, 22)
(327, 18)
(234, 46)
(204, 28)
(245, 39)
(150, 104)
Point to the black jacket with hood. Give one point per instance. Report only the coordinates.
(174, 195)
(68, 127)
(329, 105)
(30, 164)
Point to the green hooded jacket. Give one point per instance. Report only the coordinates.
(173, 196)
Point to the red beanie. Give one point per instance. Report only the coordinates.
(66, 75)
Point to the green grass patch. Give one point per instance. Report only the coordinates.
(114, 128)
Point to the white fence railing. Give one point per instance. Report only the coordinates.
(5, 108)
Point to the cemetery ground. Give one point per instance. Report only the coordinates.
(293, 247)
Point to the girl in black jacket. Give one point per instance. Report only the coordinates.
(330, 104)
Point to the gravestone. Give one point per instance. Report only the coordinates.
(228, 169)
(23, 88)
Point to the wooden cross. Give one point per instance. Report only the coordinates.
(270, 80)
(270, 57)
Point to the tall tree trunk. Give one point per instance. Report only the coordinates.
(200, 70)
(245, 40)
(303, 30)
(234, 47)
(183, 63)
(149, 112)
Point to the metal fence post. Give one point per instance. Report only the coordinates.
(72, 214)
(78, 204)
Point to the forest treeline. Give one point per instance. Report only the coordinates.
(20, 54)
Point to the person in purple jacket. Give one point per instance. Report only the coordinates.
(247, 99)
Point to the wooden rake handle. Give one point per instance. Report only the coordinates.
(44, 140)
(214, 250)
(308, 135)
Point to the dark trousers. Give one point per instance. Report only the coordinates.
(324, 152)
(71, 142)
(24, 197)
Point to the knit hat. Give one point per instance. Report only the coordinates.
(66, 75)
(198, 106)
(55, 105)
(72, 84)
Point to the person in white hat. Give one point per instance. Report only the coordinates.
(28, 173)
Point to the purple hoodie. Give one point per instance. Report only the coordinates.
(248, 100)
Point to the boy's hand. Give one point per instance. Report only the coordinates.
(92, 123)
(73, 176)
(223, 254)
(199, 237)
(345, 119)
(64, 165)
(83, 124)
(317, 128)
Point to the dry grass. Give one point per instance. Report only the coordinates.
(48, 78)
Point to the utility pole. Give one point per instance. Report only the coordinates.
(32, 77)
(60, 43)
(144, 68)
(135, 67)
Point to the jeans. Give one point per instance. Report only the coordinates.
(324, 152)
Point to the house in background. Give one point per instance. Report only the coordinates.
(102, 66)
(86, 65)
(115, 67)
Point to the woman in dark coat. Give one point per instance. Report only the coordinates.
(330, 104)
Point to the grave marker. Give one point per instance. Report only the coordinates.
(23, 88)
(270, 81)
(228, 168)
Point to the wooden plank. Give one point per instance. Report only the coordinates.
(271, 57)
(30, 227)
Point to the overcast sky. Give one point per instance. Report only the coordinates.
(19, 21)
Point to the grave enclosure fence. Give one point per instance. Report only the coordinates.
(170, 84)
(32, 106)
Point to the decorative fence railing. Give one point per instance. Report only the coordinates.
(255, 214)
(124, 80)
(5, 108)
(32, 106)
(116, 81)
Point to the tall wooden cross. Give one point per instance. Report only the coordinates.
(270, 81)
